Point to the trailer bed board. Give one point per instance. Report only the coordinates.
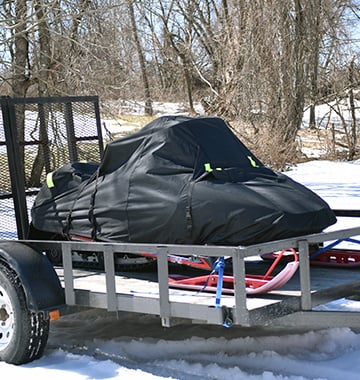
(144, 285)
(129, 284)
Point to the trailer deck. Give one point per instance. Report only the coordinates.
(300, 302)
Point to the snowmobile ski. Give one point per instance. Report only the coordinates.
(255, 284)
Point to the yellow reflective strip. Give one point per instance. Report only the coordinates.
(253, 162)
(208, 168)
(219, 169)
(49, 180)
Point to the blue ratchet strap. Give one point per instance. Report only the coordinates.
(332, 245)
(219, 266)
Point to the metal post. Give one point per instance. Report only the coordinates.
(68, 274)
(109, 266)
(99, 130)
(241, 311)
(163, 279)
(305, 285)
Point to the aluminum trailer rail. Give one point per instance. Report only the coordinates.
(295, 304)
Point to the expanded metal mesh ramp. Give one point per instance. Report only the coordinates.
(37, 136)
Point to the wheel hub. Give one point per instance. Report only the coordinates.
(3, 313)
(6, 319)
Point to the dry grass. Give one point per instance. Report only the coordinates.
(140, 120)
(268, 146)
(310, 144)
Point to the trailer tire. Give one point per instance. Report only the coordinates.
(23, 333)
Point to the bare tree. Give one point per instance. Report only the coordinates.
(20, 58)
(20, 65)
(148, 100)
(177, 43)
(353, 138)
(44, 62)
(256, 62)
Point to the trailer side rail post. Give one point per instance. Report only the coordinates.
(164, 297)
(68, 274)
(241, 311)
(109, 266)
(305, 285)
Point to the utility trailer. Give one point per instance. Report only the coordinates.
(33, 291)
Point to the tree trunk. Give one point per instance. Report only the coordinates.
(43, 78)
(314, 62)
(353, 135)
(147, 93)
(21, 71)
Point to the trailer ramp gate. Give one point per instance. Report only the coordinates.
(37, 136)
(56, 131)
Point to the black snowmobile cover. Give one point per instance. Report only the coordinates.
(179, 180)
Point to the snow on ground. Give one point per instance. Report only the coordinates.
(98, 345)
(336, 112)
(333, 121)
(336, 181)
(159, 108)
(119, 126)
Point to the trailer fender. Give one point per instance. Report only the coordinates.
(42, 287)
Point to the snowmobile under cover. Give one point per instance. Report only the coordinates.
(179, 180)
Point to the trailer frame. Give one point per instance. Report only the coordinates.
(295, 305)
(58, 290)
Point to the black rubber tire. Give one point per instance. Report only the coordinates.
(23, 333)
